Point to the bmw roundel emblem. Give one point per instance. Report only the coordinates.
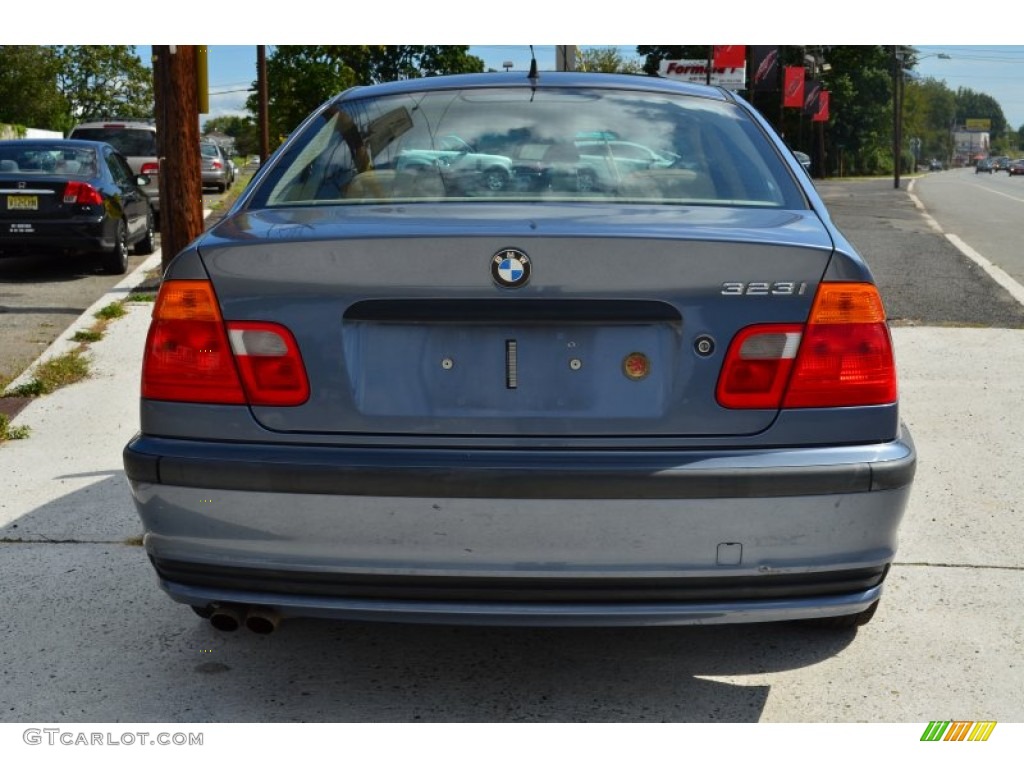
(510, 268)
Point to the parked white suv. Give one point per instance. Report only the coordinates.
(134, 138)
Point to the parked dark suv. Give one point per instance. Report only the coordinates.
(135, 138)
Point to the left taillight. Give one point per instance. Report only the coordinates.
(81, 193)
(841, 357)
(192, 355)
(149, 169)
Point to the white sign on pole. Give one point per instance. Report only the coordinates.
(696, 71)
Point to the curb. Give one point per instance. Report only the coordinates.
(65, 343)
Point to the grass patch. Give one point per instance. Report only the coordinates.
(7, 432)
(33, 388)
(112, 311)
(141, 297)
(87, 337)
(55, 373)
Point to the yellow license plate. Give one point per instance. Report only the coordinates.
(22, 203)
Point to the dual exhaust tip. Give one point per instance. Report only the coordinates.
(228, 618)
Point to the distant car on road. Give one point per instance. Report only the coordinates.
(216, 166)
(984, 166)
(1016, 168)
(935, 165)
(804, 159)
(74, 197)
(1001, 164)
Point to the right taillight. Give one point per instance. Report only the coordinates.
(841, 357)
(81, 193)
(149, 169)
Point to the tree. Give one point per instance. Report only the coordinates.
(971, 105)
(929, 114)
(607, 60)
(241, 129)
(28, 87)
(99, 81)
(301, 77)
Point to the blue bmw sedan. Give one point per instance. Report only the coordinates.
(595, 394)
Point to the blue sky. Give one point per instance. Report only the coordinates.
(995, 70)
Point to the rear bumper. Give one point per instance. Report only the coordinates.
(85, 234)
(522, 537)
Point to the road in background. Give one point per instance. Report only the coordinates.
(982, 209)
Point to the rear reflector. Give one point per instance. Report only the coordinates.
(842, 357)
(193, 356)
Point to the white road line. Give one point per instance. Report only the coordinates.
(997, 273)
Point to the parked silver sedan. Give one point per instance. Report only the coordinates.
(217, 169)
(368, 393)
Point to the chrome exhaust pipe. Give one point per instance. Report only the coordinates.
(262, 621)
(226, 618)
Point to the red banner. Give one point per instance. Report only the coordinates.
(729, 56)
(793, 90)
(821, 116)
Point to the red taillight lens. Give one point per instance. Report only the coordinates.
(216, 165)
(269, 361)
(188, 357)
(191, 356)
(150, 169)
(81, 193)
(758, 365)
(844, 359)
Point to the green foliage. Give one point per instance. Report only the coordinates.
(57, 372)
(112, 311)
(7, 432)
(28, 86)
(301, 77)
(606, 60)
(54, 87)
(33, 388)
(104, 80)
(243, 130)
(87, 336)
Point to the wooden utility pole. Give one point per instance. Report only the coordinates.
(177, 130)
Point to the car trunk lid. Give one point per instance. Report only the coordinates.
(406, 327)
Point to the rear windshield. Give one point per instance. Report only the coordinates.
(47, 158)
(520, 144)
(130, 142)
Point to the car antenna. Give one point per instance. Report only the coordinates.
(533, 65)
